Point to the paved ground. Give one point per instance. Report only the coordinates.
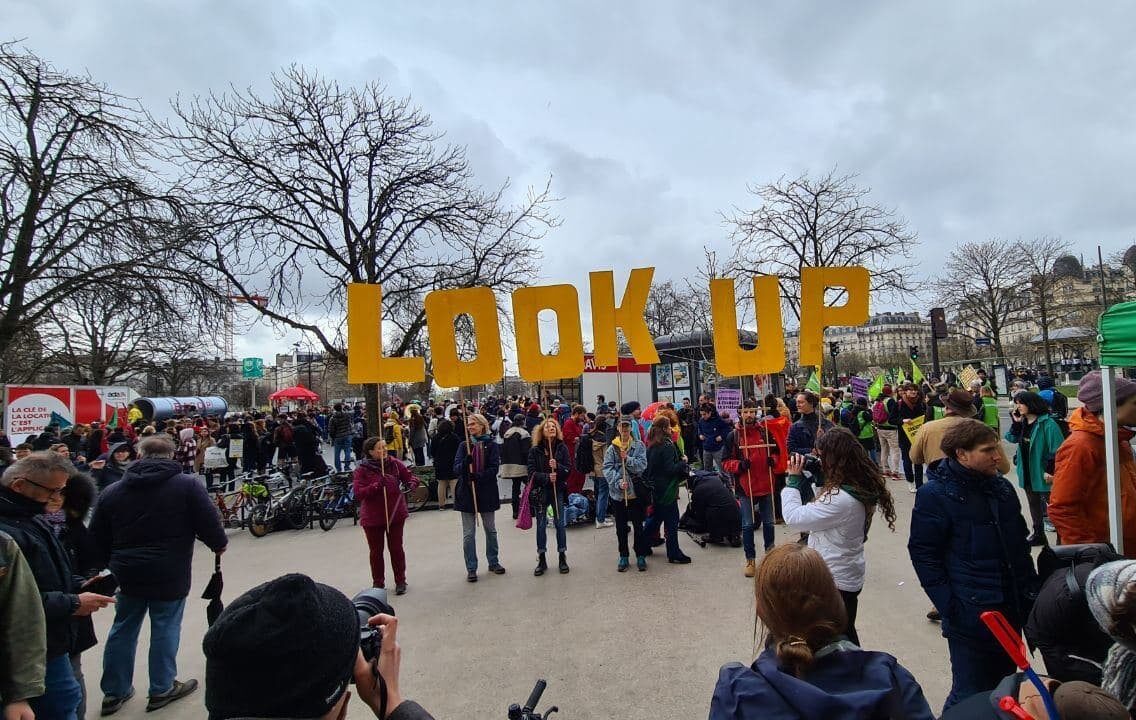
(633, 645)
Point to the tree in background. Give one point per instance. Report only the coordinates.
(981, 284)
(820, 222)
(1038, 258)
(316, 185)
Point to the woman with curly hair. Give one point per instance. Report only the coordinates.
(839, 519)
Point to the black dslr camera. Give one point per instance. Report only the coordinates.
(369, 602)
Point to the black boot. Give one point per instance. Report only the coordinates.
(563, 564)
(541, 565)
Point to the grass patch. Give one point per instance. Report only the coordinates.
(1067, 390)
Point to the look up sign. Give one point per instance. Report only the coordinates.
(366, 364)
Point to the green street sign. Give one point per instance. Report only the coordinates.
(252, 368)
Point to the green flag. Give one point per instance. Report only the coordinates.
(876, 387)
(813, 384)
(900, 377)
(916, 373)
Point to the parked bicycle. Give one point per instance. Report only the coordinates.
(281, 510)
(333, 500)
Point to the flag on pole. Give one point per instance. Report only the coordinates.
(900, 377)
(813, 384)
(916, 373)
(113, 422)
(876, 387)
(61, 422)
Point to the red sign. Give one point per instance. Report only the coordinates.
(626, 365)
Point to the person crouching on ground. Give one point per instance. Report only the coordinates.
(839, 519)
(382, 510)
(624, 460)
(748, 457)
(809, 669)
(476, 466)
(549, 465)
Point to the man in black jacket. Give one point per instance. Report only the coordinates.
(341, 432)
(25, 488)
(145, 526)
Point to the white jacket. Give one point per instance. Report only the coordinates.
(835, 523)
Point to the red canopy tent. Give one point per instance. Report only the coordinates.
(298, 392)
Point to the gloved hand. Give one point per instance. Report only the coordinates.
(743, 465)
(770, 461)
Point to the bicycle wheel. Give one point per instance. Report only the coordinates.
(330, 509)
(259, 523)
(296, 514)
(416, 499)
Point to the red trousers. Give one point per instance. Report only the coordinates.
(376, 538)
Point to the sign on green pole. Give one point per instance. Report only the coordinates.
(252, 368)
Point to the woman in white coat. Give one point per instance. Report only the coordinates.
(839, 518)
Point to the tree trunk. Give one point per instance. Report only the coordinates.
(1044, 308)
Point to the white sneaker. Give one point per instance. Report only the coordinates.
(604, 524)
(911, 487)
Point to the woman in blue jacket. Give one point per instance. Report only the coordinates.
(809, 669)
(1038, 437)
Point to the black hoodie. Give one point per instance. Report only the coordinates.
(145, 525)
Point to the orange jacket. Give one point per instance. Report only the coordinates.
(1078, 503)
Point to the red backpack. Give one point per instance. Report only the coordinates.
(879, 413)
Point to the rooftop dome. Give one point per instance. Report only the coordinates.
(1067, 266)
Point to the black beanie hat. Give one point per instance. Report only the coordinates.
(629, 407)
(285, 649)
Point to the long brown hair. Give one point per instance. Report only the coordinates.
(844, 461)
(538, 436)
(798, 603)
(660, 430)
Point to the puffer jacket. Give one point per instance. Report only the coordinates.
(747, 442)
(1078, 502)
(515, 452)
(965, 529)
(837, 526)
(23, 637)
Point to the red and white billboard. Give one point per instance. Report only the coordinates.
(28, 409)
(631, 381)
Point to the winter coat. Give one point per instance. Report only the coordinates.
(22, 519)
(307, 445)
(23, 634)
(1042, 439)
(572, 434)
(928, 445)
(598, 450)
(901, 411)
(1078, 501)
(665, 469)
(965, 529)
(392, 429)
(515, 452)
(613, 467)
(803, 433)
(417, 426)
(540, 470)
(778, 428)
(837, 524)
(444, 449)
(145, 527)
(757, 479)
(339, 426)
(482, 475)
(371, 484)
(1063, 628)
(844, 683)
(710, 430)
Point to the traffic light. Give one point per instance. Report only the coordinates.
(914, 350)
(834, 348)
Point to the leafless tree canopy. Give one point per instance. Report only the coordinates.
(317, 185)
(982, 284)
(77, 202)
(1038, 258)
(817, 222)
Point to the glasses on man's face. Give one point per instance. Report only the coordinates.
(52, 492)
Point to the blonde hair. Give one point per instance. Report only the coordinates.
(539, 437)
(480, 419)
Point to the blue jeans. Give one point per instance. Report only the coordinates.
(342, 445)
(469, 539)
(62, 693)
(764, 516)
(122, 644)
(667, 516)
(542, 531)
(602, 492)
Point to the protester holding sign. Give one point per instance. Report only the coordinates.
(908, 414)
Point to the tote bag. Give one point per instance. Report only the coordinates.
(524, 514)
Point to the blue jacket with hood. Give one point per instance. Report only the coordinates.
(844, 683)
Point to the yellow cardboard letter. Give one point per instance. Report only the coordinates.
(365, 361)
(532, 363)
(730, 357)
(442, 306)
(606, 317)
(815, 317)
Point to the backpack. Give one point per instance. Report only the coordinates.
(879, 413)
(585, 461)
(284, 434)
(388, 434)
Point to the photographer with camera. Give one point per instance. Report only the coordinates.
(289, 648)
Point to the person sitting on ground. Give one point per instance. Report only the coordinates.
(289, 648)
(809, 669)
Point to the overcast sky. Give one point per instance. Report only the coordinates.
(972, 119)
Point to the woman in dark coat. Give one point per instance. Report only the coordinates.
(477, 493)
(251, 459)
(444, 450)
(665, 472)
(306, 440)
(550, 463)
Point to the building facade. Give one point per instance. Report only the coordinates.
(885, 336)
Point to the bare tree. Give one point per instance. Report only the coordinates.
(318, 185)
(1038, 258)
(981, 284)
(77, 204)
(819, 222)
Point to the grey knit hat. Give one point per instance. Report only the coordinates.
(1091, 392)
(1104, 588)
